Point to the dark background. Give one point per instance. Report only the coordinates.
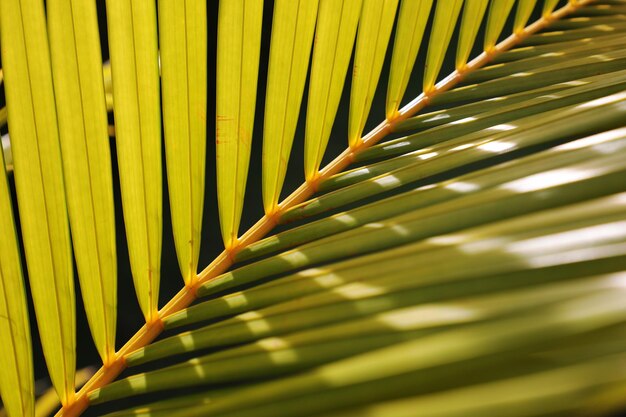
(129, 316)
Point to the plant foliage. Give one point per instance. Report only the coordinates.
(464, 258)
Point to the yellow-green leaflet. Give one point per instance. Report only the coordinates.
(334, 39)
(498, 12)
(16, 363)
(82, 118)
(473, 13)
(446, 15)
(135, 74)
(524, 10)
(39, 184)
(377, 18)
(292, 36)
(409, 32)
(548, 6)
(183, 43)
(238, 46)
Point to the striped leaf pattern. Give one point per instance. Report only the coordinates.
(463, 258)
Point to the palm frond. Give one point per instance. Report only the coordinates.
(39, 180)
(82, 120)
(484, 236)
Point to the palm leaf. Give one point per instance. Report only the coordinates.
(292, 37)
(16, 380)
(132, 39)
(183, 72)
(239, 32)
(39, 181)
(84, 144)
(335, 33)
(484, 237)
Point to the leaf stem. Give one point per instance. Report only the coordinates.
(222, 262)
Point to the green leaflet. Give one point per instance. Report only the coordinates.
(478, 146)
(420, 224)
(473, 12)
(412, 200)
(292, 36)
(570, 354)
(134, 66)
(446, 15)
(530, 51)
(562, 72)
(412, 20)
(183, 52)
(39, 184)
(524, 10)
(334, 38)
(189, 373)
(498, 13)
(328, 316)
(16, 363)
(536, 63)
(79, 93)
(378, 282)
(463, 131)
(433, 356)
(376, 22)
(548, 6)
(238, 46)
(564, 390)
(581, 34)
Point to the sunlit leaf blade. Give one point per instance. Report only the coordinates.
(605, 8)
(79, 93)
(564, 390)
(376, 22)
(377, 283)
(531, 51)
(586, 21)
(334, 38)
(482, 145)
(183, 53)
(473, 13)
(134, 66)
(446, 15)
(163, 408)
(415, 199)
(524, 10)
(238, 46)
(16, 363)
(548, 6)
(520, 244)
(423, 122)
(481, 125)
(549, 75)
(581, 34)
(39, 183)
(292, 36)
(571, 352)
(498, 13)
(537, 63)
(325, 316)
(413, 226)
(429, 359)
(412, 20)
